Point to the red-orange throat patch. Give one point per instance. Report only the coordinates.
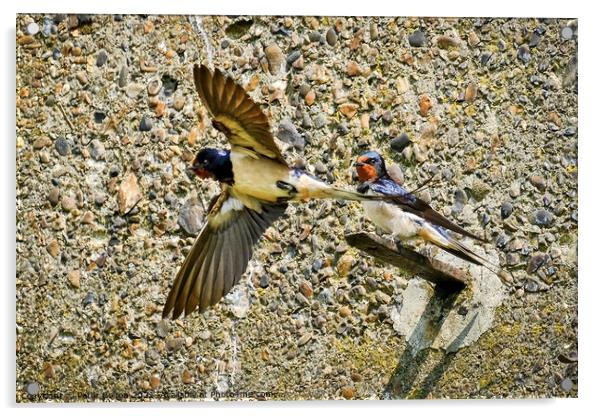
(366, 172)
(202, 173)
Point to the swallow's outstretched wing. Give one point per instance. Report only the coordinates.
(219, 255)
(411, 203)
(235, 113)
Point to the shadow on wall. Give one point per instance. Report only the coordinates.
(403, 378)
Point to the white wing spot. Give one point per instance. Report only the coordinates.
(231, 204)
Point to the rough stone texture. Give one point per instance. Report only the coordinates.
(105, 339)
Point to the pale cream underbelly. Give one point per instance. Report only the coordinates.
(393, 220)
(259, 177)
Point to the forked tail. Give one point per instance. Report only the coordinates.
(453, 246)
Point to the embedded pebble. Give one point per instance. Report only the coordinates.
(53, 248)
(33, 389)
(74, 278)
(398, 144)
(344, 311)
(41, 142)
(417, 39)
(473, 39)
(566, 385)
(101, 58)
(348, 392)
(287, 132)
(191, 217)
(305, 338)
(471, 92)
(275, 58)
(425, 104)
(348, 109)
(33, 28)
(67, 203)
(531, 286)
(538, 181)
(331, 37)
(353, 69)
(514, 190)
(447, 42)
(49, 370)
(128, 194)
(543, 217)
(154, 86)
(175, 344)
(506, 209)
(88, 217)
(536, 261)
(97, 149)
(566, 33)
(146, 124)
(524, 53)
(122, 79)
(162, 328)
(53, 196)
(293, 56)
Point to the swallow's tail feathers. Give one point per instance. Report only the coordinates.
(453, 246)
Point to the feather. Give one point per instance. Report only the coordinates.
(246, 125)
(219, 255)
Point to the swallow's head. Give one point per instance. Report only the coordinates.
(370, 166)
(210, 163)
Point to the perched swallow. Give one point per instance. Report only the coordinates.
(407, 216)
(256, 184)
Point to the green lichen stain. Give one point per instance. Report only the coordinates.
(366, 352)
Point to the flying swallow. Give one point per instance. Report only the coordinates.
(408, 217)
(256, 185)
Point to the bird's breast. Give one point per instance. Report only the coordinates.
(257, 176)
(392, 219)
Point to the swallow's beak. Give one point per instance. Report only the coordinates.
(358, 164)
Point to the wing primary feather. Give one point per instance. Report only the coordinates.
(190, 272)
(255, 226)
(240, 254)
(246, 240)
(229, 93)
(227, 100)
(190, 298)
(433, 216)
(219, 271)
(192, 302)
(212, 271)
(200, 81)
(238, 98)
(183, 277)
(224, 269)
(218, 91)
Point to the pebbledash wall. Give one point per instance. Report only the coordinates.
(108, 120)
